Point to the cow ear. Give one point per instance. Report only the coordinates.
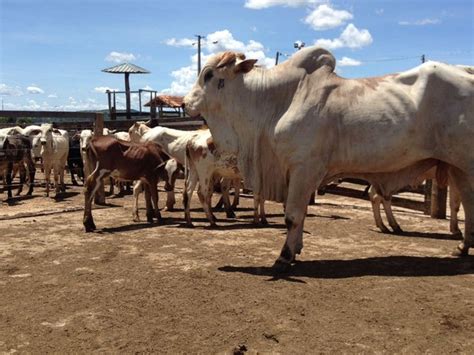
(227, 58)
(245, 66)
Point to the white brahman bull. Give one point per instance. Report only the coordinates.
(298, 124)
(54, 152)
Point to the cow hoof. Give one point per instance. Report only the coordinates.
(397, 230)
(89, 227)
(281, 267)
(460, 252)
(264, 222)
(189, 225)
(136, 219)
(213, 224)
(384, 229)
(230, 214)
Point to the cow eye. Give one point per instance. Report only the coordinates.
(208, 76)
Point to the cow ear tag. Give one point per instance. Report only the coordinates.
(220, 85)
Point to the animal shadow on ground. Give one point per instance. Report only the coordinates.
(404, 266)
(17, 200)
(65, 195)
(439, 236)
(137, 226)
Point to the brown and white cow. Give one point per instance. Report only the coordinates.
(124, 161)
(298, 124)
(203, 163)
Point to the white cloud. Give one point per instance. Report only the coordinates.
(183, 42)
(10, 91)
(263, 4)
(103, 89)
(147, 87)
(348, 62)
(34, 90)
(52, 96)
(423, 22)
(379, 11)
(184, 79)
(219, 41)
(325, 17)
(351, 37)
(118, 57)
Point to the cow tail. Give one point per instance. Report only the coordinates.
(442, 174)
(186, 169)
(91, 153)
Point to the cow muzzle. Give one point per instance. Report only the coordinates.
(43, 142)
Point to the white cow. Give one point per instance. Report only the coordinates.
(54, 152)
(122, 136)
(297, 124)
(32, 132)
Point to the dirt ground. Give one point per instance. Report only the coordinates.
(134, 287)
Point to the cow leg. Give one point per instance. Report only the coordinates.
(56, 181)
(47, 177)
(190, 185)
(299, 191)
(465, 185)
(31, 175)
(376, 200)
(137, 188)
(73, 179)
(205, 195)
(237, 186)
(387, 205)
(91, 185)
(21, 168)
(259, 210)
(62, 170)
(9, 178)
(155, 199)
(170, 200)
(149, 206)
(263, 217)
(454, 205)
(220, 203)
(226, 198)
(111, 187)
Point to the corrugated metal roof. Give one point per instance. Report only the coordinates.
(166, 100)
(126, 68)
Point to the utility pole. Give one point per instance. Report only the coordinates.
(199, 37)
(276, 58)
(422, 58)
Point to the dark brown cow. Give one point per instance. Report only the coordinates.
(16, 150)
(125, 161)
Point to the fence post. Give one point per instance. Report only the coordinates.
(99, 197)
(438, 201)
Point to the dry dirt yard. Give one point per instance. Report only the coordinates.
(134, 287)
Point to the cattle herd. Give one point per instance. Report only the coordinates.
(284, 132)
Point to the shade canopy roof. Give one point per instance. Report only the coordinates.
(126, 68)
(166, 100)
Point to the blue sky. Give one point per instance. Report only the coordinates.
(52, 51)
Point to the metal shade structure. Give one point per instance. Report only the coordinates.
(127, 69)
